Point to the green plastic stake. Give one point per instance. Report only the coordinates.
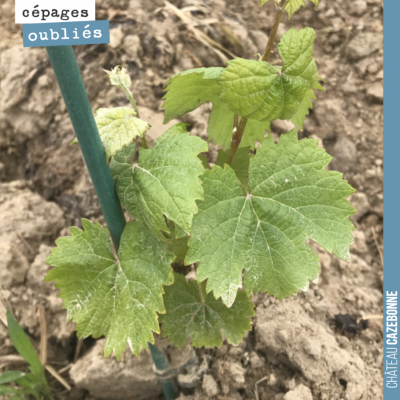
(161, 364)
(69, 79)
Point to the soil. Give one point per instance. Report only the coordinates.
(295, 351)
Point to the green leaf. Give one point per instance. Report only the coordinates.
(6, 390)
(121, 163)
(118, 127)
(24, 346)
(191, 313)
(204, 161)
(254, 131)
(220, 126)
(291, 5)
(189, 89)
(177, 241)
(105, 296)
(292, 199)
(257, 90)
(119, 77)
(252, 89)
(10, 376)
(294, 5)
(35, 386)
(240, 164)
(300, 116)
(165, 182)
(296, 48)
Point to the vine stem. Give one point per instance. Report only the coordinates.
(236, 139)
(238, 129)
(274, 30)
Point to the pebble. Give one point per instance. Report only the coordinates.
(210, 386)
(301, 392)
(344, 154)
(330, 13)
(363, 44)
(370, 173)
(357, 7)
(360, 202)
(375, 92)
(360, 243)
(255, 360)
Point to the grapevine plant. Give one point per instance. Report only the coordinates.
(242, 223)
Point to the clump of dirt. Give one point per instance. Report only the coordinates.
(296, 350)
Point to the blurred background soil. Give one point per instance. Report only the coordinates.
(295, 351)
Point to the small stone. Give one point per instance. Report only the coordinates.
(283, 335)
(357, 7)
(13, 265)
(370, 173)
(38, 271)
(132, 47)
(373, 68)
(255, 360)
(334, 39)
(225, 387)
(282, 126)
(238, 349)
(272, 380)
(44, 81)
(330, 13)
(371, 220)
(364, 44)
(360, 202)
(131, 377)
(209, 386)
(337, 22)
(362, 66)
(235, 374)
(116, 36)
(375, 92)
(260, 39)
(301, 392)
(289, 384)
(344, 154)
(360, 243)
(379, 74)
